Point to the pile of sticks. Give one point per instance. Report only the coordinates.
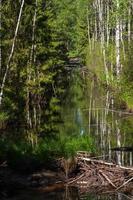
(99, 174)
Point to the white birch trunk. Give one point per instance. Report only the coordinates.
(95, 21)
(129, 23)
(29, 69)
(96, 34)
(97, 121)
(88, 31)
(131, 158)
(102, 36)
(112, 66)
(108, 28)
(34, 61)
(112, 113)
(118, 141)
(121, 37)
(109, 142)
(35, 116)
(11, 53)
(90, 109)
(0, 39)
(117, 41)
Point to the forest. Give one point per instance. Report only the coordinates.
(66, 83)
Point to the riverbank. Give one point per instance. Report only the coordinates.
(12, 180)
(36, 178)
(92, 175)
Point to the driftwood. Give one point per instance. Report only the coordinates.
(101, 175)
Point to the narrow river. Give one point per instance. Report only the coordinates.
(94, 111)
(64, 194)
(91, 110)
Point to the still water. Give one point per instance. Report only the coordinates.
(88, 109)
(63, 194)
(92, 110)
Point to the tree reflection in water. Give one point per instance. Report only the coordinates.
(67, 193)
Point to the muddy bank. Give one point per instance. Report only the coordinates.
(50, 173)
(9, 177)
(14, 179)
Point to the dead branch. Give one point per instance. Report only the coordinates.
(105, 176)
(125, 183)
(74, 180)
(104, 163)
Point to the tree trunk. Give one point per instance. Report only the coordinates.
(0, 40)
(108, 28)
(129, 23)
(122, 41)
(118, 142)
(102, 36)
(11, 53)
(117, 40)
(88, 31)
(29, 69)
(90, 108)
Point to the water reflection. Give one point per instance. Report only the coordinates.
(94, 111)
(90, 110)
(105, 197)
(63, 194)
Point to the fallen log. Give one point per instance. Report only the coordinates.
(104, 163)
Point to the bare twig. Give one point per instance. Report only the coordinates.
(125, 183)
(75, 179)
(124, 195)
(105, 176)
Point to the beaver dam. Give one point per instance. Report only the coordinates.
(84, 173)
(98, 175)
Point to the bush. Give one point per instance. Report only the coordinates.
(23, 156)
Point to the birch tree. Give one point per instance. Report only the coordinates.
(11, 53)
(29, 68)
(129, 21)
(0, 37)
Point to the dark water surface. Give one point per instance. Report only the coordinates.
(63, 194)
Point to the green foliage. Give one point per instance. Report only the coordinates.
(36, 78)
(70, 146)
(23, 155)
(3, 116)
(38, 84)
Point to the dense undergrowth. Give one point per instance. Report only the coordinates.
(24, 156)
